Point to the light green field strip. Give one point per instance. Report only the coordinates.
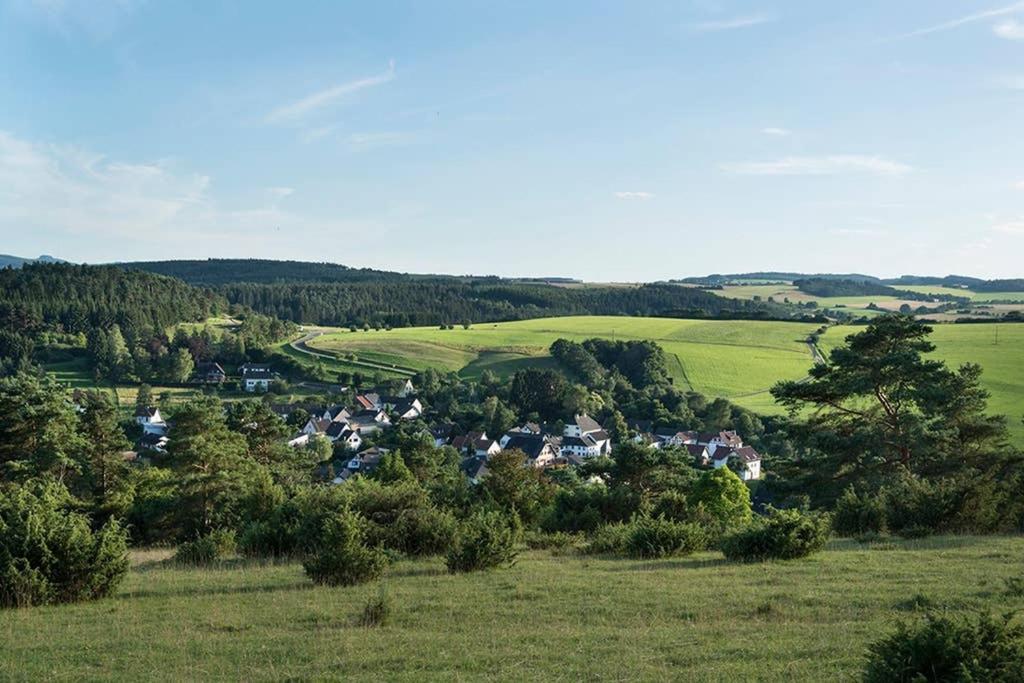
(734, 359)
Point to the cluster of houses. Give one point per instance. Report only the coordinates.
(544, 445)
(709, 449)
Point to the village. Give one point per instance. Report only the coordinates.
(351, 430)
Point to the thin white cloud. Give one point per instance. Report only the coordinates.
(1013, 227)
(1019, 184)
(817, 166)
(1009, 29)
(781, 132)
(733, 23)
(66, 195)
(634, 195)
(298, 109)
(1008, 82)
(968, 19)
(856, 232)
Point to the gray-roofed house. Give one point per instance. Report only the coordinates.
(256, 377)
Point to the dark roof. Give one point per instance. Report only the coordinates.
(336, 429)
(696, 450)
(474, 467)
(441, 431)
(209, 368)
(530, 444)
(586, 423)
(145, 411)
(254, 371)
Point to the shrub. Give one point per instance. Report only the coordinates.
(49, 554)
(340, 557)
(658, 537)
(946, 648)
(484, 541)
(857, 515)
(538, 540)
(723, 495)
(914, 505)
(610, 538)
(213, 547)
(780, 535)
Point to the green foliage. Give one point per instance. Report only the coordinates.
(38, 435)
(340, 556)
(539, 540)
(856, 514)
(880, 407)
(213, 547)
(724, 497)
(779, 535)
(950, 649)
(49, 554)
(484, 541)
(652, 537)
(518, 490)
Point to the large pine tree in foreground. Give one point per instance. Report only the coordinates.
(881, 408)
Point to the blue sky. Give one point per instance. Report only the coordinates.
(600, 140)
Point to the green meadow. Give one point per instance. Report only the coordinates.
(997, 347)
(739, 360)
(548, 618)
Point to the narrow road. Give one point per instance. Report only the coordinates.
(302, 346)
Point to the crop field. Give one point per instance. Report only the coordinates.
(997, 347)
(739, 360)
(548, 618)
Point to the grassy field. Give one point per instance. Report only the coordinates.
(549, 618)
(739, 360)
(977, 297)
(997, 347)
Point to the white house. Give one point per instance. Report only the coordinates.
(585, 438)
(256, 377)
(151, 420)
(748, 461)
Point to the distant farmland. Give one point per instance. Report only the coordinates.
(739, 360)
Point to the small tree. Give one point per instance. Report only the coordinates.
(723, 495)
(340, 556)
(49, 554)
(484, 541)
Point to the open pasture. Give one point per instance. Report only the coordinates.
(548, 618)
(739, 360)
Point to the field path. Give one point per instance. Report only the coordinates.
(302, 346)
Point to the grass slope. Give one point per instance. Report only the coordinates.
(997, 347)
(736, 359)
(549, 618)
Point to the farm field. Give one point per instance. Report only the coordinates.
(739, 360)
(997, 347)
(977, 297)
(548, 618)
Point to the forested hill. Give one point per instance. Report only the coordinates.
(332, 294)
(437, 301)
(82, 298)
(230, 271)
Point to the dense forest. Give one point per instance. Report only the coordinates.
(830, 288)
(433, 302)
(227, 271)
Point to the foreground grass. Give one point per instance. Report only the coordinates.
(548, 618)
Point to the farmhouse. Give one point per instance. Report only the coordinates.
(256, 377)
(151, 420)
(585, 438)
(540, 450)
(209, 373)
(745, 460)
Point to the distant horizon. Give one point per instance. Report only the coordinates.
(507, 277)
(630, 142)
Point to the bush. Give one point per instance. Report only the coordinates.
(945, 648)
(213, 547)
(539, 540)
(856, 515)
(341, 557)
(484, 541)
(49, 554)
(610, 538)
(658, 537)
(781, 535)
